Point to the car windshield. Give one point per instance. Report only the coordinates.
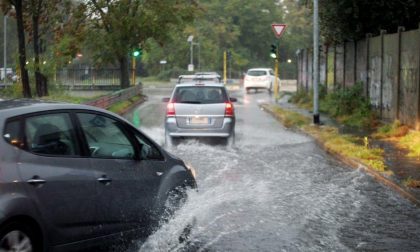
(257, 73)
(199, 95)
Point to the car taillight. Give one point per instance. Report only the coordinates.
(229, 110)
(170, 109)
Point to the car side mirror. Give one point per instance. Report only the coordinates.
(166, 99)
(233, 99)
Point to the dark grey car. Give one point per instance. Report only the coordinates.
(72, 176)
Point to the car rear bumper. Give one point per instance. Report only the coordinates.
(257, 84)
(174, 131)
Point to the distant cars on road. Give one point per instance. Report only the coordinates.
(259, 78)
(200, 77)
(73, 176)
(200, 109)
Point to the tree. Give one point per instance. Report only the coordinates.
(352, 19)
(19, 8)
(117, 27)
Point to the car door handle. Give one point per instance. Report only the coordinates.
(36, 181)
(104, 180)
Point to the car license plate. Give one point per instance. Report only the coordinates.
(199, 120)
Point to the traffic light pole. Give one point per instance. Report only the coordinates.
(276, 74)
(133, 72)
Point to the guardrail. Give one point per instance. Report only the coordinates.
(121, 95)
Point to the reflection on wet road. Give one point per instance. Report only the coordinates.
(277, 191)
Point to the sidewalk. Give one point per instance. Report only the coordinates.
(399, 167)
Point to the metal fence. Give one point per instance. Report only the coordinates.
(388, 65)
(88, 78)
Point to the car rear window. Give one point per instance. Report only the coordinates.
(257, 73)
(199, 95)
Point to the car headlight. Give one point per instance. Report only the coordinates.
(191, 169)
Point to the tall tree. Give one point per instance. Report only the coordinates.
(19, 8)
(117, 27)
(352, 19)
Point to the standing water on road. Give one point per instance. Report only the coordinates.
(277, 191)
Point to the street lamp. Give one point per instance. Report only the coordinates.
(191, 65)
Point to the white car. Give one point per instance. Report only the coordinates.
(260, 78)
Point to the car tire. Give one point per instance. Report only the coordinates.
(169, 141)
(230, 141)
(176, 198)
(15, 236)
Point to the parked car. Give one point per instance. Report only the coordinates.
(200, 110)
(259, 78)
(73, 176)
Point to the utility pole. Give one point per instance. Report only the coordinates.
(276, 75)
(5, 49)
(224, 67)
(316, 65)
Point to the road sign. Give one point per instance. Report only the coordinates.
(278, 29)
(190, 68)
(163, 62)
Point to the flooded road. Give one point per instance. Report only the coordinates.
(276, 190)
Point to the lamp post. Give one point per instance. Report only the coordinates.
(191, 65)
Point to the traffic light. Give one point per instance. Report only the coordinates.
(229, 55)
(137, 52)
(273, 52)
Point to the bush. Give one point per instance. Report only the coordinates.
(349, 106)
(171, 73)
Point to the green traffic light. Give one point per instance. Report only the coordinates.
(273, 53)
(136, 53)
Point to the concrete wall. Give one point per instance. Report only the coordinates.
(387, 65)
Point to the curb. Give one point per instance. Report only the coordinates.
(354, 163)
(133, 105)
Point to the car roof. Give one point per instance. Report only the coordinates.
(199, 84)
(16, 107)
(259, 69)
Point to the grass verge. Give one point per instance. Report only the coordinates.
(347, 146)
(120, 107)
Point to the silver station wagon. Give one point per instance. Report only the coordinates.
(200, 110)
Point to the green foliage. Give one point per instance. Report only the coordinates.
(411, 141)
(349, 106)
(396, 129)
(171, 73)
(13, 91)
(350, 19)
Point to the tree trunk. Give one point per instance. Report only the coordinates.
(124, 73)
(40, 79)
(22, 50)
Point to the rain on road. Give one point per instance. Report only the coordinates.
(276, 190)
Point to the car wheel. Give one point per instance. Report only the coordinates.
(169, 141)
(17, 237)
(176, 198)
(230, 141)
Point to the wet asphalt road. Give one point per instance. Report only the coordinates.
(276, 190)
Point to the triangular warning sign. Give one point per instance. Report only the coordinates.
(278, 29)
